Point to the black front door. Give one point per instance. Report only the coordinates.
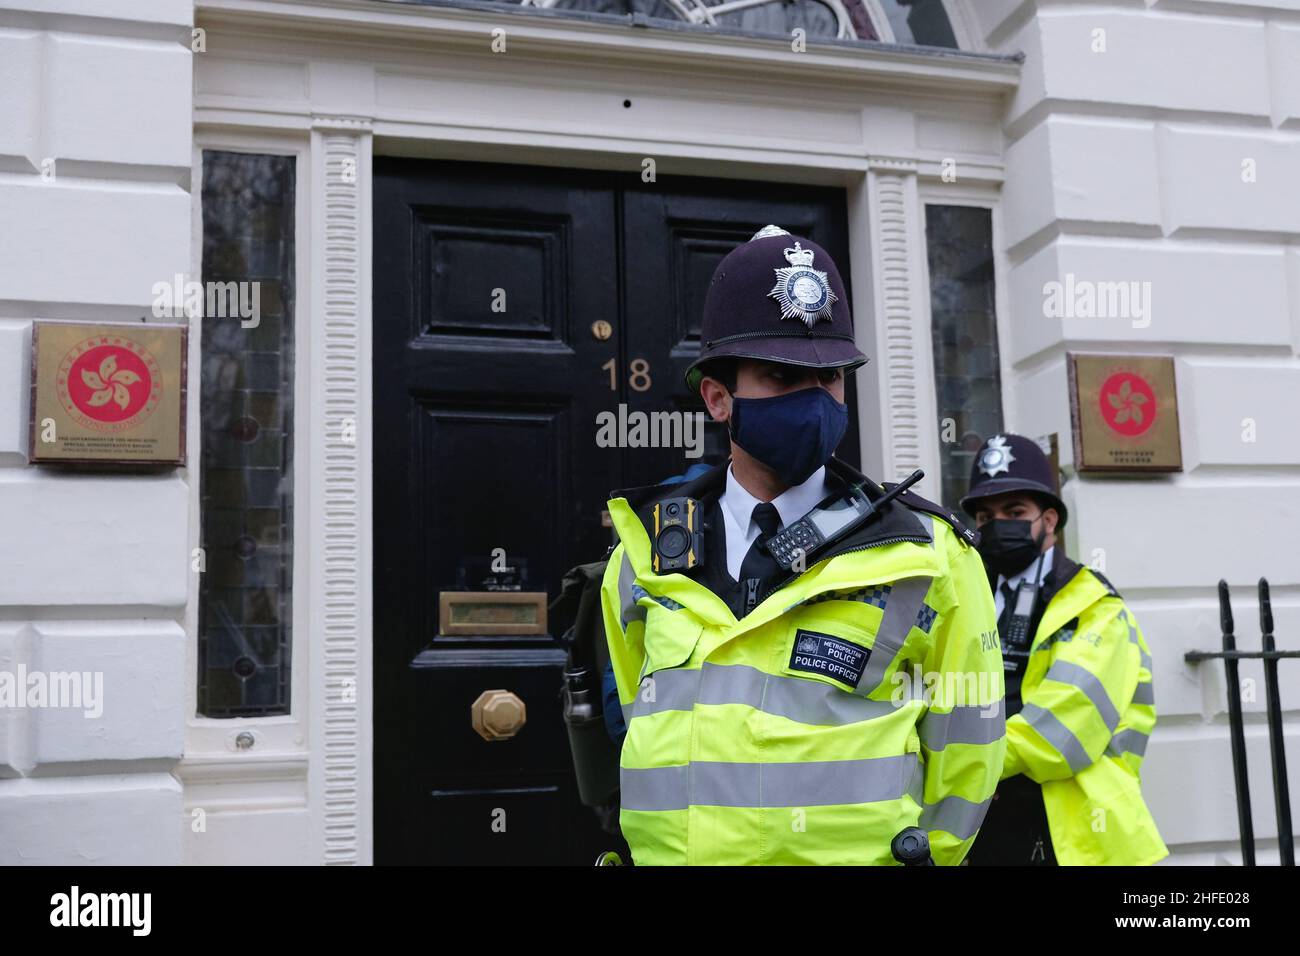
(512, 306)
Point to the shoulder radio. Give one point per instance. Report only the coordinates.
(832, 519)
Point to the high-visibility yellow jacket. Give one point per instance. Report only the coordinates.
(1089, 709)
(862, 697)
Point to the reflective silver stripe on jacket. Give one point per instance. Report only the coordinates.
(899, 617)
(968, 724)
(955, 815)
(639, 592)
(796, 698)
(673, 689)
(629, 610)
(1050, 728)
(1065, 672)
(1133, 637)
(811, 784)
(1145, 693)
(1128, 741)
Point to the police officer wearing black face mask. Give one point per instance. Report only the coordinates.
(1064, 698)
(1013, 498)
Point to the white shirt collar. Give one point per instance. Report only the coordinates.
(791, 504)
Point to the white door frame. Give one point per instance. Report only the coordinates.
(339, 80)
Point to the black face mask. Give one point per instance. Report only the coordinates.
(1008, 546)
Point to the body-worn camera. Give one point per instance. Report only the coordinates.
(679, 535)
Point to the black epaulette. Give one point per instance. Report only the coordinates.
(1110, 588)
(917, 503)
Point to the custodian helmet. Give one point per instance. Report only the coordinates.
(1012, 463)
(777, 297)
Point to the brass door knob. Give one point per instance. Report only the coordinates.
(498, 715)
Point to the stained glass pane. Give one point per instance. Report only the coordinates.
(246, 416)
(959, 240)
(920, 22)
(817, 18)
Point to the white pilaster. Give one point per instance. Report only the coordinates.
(338, 509)
(902, 309)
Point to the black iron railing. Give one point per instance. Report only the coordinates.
(1270, 655)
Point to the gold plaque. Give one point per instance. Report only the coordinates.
(1124, 412)
(492, 612)
(108, 393)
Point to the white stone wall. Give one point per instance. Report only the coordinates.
(1127, 165)
(93, 577)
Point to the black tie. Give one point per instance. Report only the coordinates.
(1008, 609)
(758, 563)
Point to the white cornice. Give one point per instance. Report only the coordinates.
(347, 124)
(903, 164)
(417, 27)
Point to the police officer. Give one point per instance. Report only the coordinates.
(772, 714)
(1080, 706)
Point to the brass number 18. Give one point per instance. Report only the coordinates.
(639, 380)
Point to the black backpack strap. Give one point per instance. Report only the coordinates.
(917, 503)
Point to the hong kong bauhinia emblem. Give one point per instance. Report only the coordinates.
(801, 290)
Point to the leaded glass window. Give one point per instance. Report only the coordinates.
(911, 22)
(246, 416)
(920, 22)
(959, 240)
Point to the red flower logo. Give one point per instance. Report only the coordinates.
(1128, 404)
(109, 383)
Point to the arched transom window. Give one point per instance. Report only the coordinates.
(912, 22)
